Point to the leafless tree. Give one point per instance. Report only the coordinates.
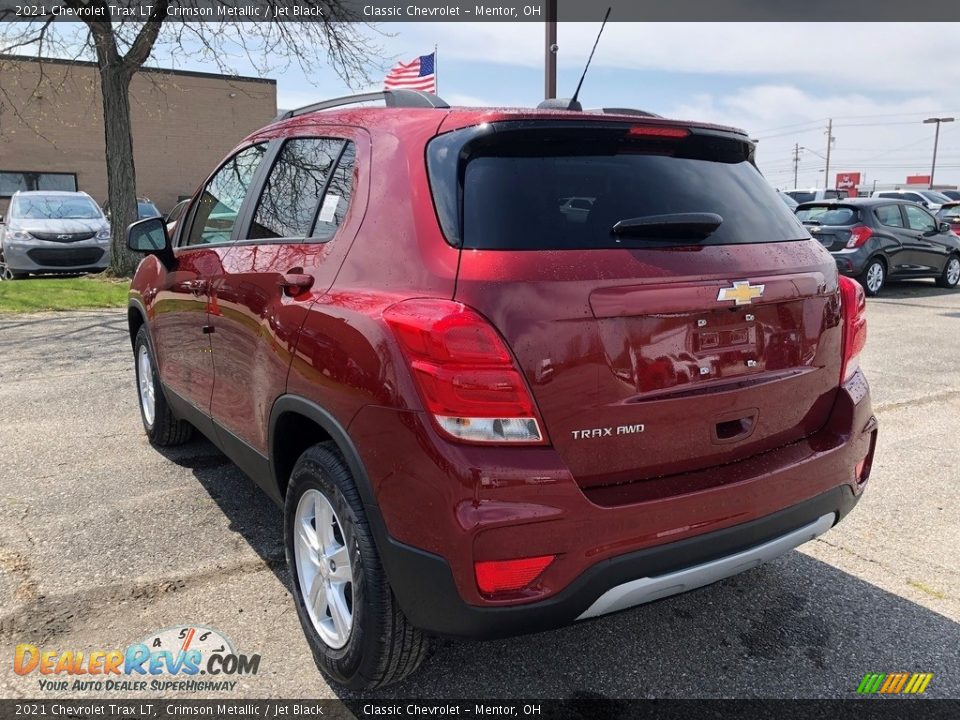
(121, 46)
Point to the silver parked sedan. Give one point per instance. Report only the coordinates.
(53, 232)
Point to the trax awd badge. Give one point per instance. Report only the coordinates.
(742, 292)
(606, 431)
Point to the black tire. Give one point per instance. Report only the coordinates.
(382, 647)
(951, 267)
(165, 430)
(870, 285)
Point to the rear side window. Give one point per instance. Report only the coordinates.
(291, 195)
(829, 215)
(517, 193)
(336, 200)
(889, 215)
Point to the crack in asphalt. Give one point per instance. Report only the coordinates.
(46, 617)
(944, 396)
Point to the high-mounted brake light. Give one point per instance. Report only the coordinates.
(465, 375)
(505, 575)
(658, 131)
(858, 236)
(853, 308)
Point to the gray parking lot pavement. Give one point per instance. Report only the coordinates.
(105, 540)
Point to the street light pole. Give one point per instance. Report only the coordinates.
(936, 140)
(550, 52)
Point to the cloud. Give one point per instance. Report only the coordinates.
(888, 56)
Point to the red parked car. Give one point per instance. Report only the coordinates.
(484, 416)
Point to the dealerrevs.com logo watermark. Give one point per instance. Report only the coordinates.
(186, 658)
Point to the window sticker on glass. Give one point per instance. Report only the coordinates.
(329, 210)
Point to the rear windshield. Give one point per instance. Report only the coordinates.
(829, 215)
(802, 196)
(147, 209)
(539, 192)
(935, 197)
(55, 207)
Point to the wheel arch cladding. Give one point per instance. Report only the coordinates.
(297, 424)
(135, 320)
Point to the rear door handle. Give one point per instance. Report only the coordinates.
(296, 282)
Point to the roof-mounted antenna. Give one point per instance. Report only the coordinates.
(574, 103)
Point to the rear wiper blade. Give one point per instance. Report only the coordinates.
(676, 226)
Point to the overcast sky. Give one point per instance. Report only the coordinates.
(780, 82)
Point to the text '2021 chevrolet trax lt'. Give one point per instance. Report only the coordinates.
(484, 415)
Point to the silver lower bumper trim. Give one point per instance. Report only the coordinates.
(644, 590)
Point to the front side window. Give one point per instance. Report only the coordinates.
(889, 215)
(219, 204)
(919, 219)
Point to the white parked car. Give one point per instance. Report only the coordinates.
(930, 199)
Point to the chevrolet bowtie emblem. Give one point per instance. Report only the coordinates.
(742, 292)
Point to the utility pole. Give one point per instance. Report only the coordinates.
(826, 172)
(550, 52)
(796, 162)
(936, 140)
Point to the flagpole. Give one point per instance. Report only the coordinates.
(436, 70)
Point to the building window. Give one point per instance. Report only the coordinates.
(12, 181)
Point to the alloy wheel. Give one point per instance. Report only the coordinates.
(953, 271)
(324, 570)
(875, 277)
(148, 400)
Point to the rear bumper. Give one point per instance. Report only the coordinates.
(425, 589)
(440, 507)
(852, 262)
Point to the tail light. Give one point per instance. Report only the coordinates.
(858, 236)
(853, 307)
(499, 576)
(464, 373)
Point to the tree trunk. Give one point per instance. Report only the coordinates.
(121, 173)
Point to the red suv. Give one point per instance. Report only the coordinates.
(483, 415)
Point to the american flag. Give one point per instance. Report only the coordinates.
(418, 74)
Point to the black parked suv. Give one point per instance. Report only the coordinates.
(875, 239)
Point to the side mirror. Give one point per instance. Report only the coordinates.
(149, 236)
(943, 227)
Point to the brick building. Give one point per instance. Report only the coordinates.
(184, 123)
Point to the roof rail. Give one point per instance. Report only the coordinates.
(401, 98)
